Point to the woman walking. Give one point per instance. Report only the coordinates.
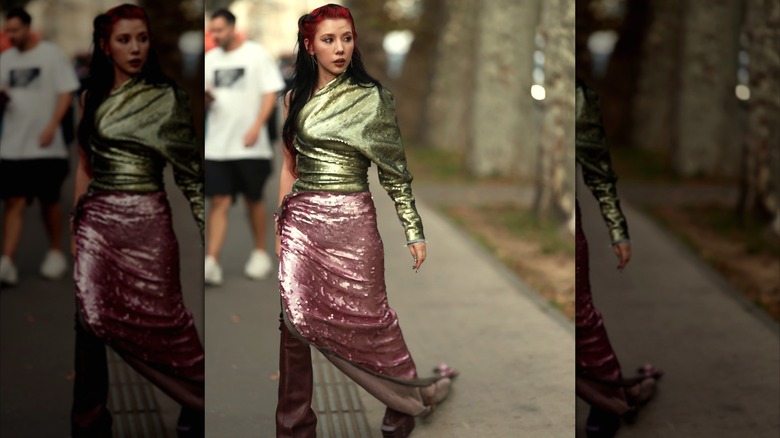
(134, 121)
(340, 120)
(599, 379)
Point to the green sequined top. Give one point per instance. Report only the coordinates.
(138, 129)
(341, 130)
(593, 155)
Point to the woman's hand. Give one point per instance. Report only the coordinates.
(418, 253)
(623, 253)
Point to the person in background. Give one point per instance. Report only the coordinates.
(242, 83)
(37, 82)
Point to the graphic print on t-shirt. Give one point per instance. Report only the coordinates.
(230, 78)
(25, 78)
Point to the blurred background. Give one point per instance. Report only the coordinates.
(690, 97)
(485, 104)
(485, 100)
(36, 322)
(691, 103)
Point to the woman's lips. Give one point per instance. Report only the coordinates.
(136, 63)
(340, 62)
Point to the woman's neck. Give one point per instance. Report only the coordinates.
(120, 78)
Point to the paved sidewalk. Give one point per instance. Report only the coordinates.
(37, 337)
(514, 352)
(721, 355)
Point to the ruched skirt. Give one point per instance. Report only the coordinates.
(126, 274)
(332, 285)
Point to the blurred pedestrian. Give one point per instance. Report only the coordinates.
(339, 121)
(599, 379)
(37, 82)
(135, 120)
(242, 82)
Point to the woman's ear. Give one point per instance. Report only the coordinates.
(308, 45)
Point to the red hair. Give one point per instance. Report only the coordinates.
(105, 22)
(307, 25)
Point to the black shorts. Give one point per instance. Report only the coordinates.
(231, 177)
(30, 179)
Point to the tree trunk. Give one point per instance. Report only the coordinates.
(708, 142)
(555, 180)
(760, 179)
(505, 137)
(620, 78)
(371, 25)
(654, 112)
(450, 100)
(414, 86)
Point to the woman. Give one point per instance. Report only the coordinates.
(126, 269)
(339, 120)
(599, 378)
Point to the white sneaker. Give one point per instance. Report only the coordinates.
(54, 265)
(212, 272)
(258, 266)
(8, 274)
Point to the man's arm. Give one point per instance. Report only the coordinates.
(266, 107)
(64, 101)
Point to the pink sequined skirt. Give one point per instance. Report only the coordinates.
(331, 279)
(126, 274)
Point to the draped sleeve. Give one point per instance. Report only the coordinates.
(592, 153)
(178, 144)
(138, 129)
(344, 128)
(381, 143)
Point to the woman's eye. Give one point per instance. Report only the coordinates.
(328, 40)
(348, 39)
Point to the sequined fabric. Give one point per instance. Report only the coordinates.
(331, 277)
(595, 356)
(126, 273)
(596, 362)
(138, 129)
(344, 128)
(592, 154)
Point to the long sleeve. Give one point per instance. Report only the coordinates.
(383, 146)
(593, 155)
(179, 146)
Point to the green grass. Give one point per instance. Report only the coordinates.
(727, 223)
(523, 224)
(520, 222)
(429, 164)
(636, 164)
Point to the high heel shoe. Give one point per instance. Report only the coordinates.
(434, 394)
(396, 424)
(637, 391)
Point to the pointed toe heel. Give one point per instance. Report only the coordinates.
(396, 424)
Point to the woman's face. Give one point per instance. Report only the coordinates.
(128, 47)
(332, 46)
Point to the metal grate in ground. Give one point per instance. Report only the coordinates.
(340, 413)
(131, 401)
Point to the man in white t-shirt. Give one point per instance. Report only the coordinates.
(36, 85)
(242, 83)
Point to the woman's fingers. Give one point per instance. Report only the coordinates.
(418, 253)
(623, 253)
